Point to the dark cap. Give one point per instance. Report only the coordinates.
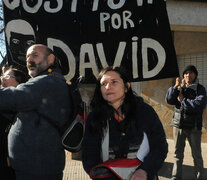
(190, 68)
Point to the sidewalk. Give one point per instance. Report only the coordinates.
(74, 170)
(165, 171)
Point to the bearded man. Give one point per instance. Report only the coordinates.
(35, 149)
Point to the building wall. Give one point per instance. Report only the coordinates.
(187, 13)
(190, 42)
(154, 91)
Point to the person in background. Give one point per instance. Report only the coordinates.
(189, 98)
(35, 149)
(10, 77)
(114, 104)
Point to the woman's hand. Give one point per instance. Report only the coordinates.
(139, 174)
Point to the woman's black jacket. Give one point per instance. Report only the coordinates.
(148, 122)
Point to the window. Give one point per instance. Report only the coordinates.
(199, 61)
(136, 87)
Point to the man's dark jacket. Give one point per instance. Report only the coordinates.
(188, 112)
(34, 144)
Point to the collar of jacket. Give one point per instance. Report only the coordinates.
(56, 72)
(194, 85)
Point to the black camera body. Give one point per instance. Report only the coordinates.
(188, 93)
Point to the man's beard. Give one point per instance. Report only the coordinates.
(37, 68)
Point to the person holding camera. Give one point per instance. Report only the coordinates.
(189, 98)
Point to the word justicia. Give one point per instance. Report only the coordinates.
(54, 6)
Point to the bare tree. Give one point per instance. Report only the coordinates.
(2, 36)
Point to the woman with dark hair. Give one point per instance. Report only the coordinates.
(10, 77)
(116, 110)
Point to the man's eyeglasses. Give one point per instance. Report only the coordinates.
(7, 77)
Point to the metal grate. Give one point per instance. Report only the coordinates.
(199, 61)
(136, 87)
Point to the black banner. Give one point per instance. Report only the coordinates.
(88, 35)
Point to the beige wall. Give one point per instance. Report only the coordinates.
(190, 42)
(154, 93)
